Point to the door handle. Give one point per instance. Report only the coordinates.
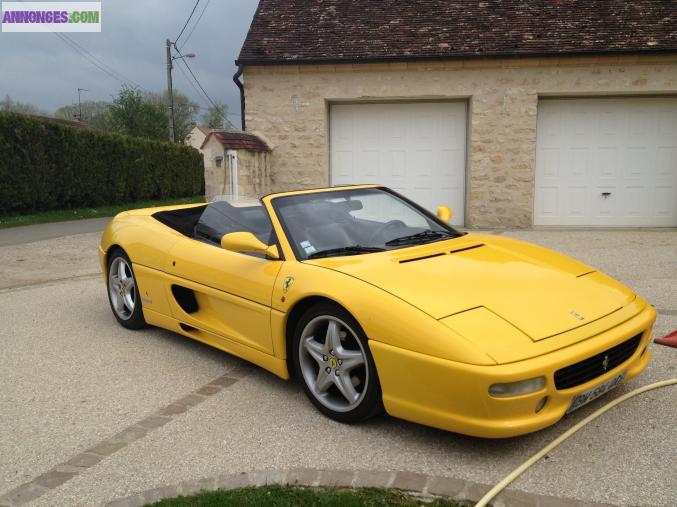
(606, 194)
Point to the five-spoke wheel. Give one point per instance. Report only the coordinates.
(121, 288)
(333, 360)
(122, 291)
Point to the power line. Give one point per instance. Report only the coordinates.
(93, 62)
(195, 25)
(202, 87)
(93, 57)
(103, 67)
(205, 106)
(228, 113)
(193, 85)
(97, 62)
(217, 107)
(186, 23)
(196, 79)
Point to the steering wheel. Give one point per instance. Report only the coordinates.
(385, 227)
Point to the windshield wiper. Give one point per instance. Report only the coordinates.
(345, 250)
(420, 237)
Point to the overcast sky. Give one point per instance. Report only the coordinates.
(43, 70)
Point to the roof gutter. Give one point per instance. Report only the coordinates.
(457, 56)
(238, 83)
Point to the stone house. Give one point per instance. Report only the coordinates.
(515, 113)
(197, 136)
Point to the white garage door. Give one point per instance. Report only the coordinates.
(417, 149)
(606, 162)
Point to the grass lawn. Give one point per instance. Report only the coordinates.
(79, 213)
(285, 496)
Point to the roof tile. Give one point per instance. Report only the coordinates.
(302, 31)
(238, 141)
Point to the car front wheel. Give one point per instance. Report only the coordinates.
(332, 358)
(123, 293)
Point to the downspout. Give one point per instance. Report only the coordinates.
(232, 156)
(238, 83)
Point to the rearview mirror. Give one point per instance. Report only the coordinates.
(247, 242)
(444, 213)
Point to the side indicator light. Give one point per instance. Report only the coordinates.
(541, 403)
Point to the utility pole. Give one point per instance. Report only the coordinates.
(169, 90)
(79, 103)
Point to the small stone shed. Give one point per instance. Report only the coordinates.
(236, 163)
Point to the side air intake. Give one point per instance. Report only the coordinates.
(185, 298)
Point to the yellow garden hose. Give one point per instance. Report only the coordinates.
(524, 466)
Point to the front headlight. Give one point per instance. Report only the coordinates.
(517, 388)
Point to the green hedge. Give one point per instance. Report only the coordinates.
(45, 166)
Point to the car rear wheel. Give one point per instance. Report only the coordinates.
(332, 358)
(123, 293)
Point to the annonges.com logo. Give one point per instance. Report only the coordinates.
(51, 16)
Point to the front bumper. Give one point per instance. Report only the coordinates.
(454, 396)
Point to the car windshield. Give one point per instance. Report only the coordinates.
(356, 221)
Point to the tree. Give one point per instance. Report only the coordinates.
(14, 106)
(216, 116)
(133, 114)
(137, 114)
(185, 111)
(94, 112)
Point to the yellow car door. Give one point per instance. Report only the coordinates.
(220, 291)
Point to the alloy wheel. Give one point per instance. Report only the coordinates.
(122, 288)
(333, 363)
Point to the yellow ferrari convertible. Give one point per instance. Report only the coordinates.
(375, 304)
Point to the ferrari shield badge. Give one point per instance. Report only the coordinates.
(288, 282)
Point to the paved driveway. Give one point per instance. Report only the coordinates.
(73, 380)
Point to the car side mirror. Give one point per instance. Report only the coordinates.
(444, 213)
(247, 242)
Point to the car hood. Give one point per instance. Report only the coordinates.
(538, 291)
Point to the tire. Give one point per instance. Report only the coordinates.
(327, 341)
(123, 292)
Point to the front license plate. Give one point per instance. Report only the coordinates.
(595, 392)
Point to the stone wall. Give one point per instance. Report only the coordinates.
(215, 176)
(289, 106)
(253, 173)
